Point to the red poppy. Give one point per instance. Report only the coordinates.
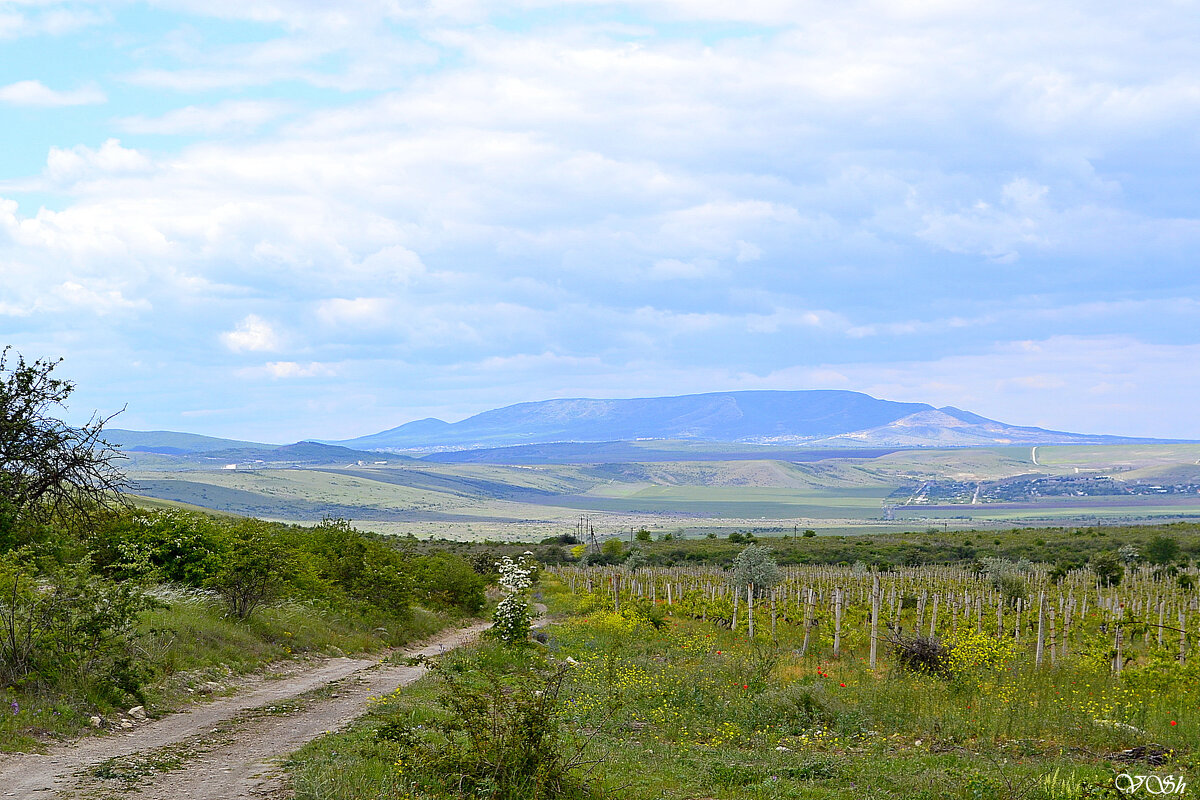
(1173, 722)
(842, 685)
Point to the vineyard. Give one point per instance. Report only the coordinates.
(839, 610)
(1010, 681)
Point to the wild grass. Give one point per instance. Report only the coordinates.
(190, 640)
(672, 707)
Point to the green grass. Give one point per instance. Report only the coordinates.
(476, 501)
(191, 641)
(690, 710)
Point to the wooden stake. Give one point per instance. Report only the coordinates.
(750, 608)
(837, 621)
(1041, 634)
(874, 619)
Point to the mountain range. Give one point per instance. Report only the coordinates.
(729, 425)
(815, 418)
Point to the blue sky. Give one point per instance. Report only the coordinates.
(283, 219)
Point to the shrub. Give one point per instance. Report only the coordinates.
(512, 618)
(169, 545)
(973, 655)
(1162, 550)
(500, 737)
(254, 568)
(448, 581)
(921, 654)
(67, 626)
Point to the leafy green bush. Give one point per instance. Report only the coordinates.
(67, 626)
(254, 568)
(169, 545)
(499, 736)
(444, 580)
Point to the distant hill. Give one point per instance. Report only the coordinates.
(817, 418)
(166, 449)
(657, 451)
(171, 442)
(307, 453)
(756, 417)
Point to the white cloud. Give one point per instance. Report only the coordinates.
(52, 22)
(99, 299)
(359, 312)
(233, 116)
(80, 162)
(252, 334)
(292, 369)
(36, 93)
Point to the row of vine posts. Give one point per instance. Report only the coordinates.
(929, 600)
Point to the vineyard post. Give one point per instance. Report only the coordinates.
(1053, 634)
(1118, 661)
(1162, 616)
(750, 608)
(1182, 638)
(874, 619)
(1041, 634)
(837, 621)
(808, 621)
(772, 612)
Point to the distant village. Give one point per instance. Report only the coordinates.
(1030, 488)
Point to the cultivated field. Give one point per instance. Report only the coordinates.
(963, 488)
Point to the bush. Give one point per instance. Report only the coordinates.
(500, 737)
(792, 708)
(921, 654)
(1108, 568)
(448, 581)
(254, 568)
(67, 626)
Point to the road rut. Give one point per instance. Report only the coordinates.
(224, 750)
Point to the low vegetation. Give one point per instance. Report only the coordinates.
(664, 695)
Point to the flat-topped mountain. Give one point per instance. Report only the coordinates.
(815, 418)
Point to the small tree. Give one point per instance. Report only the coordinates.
(755, 566)
(636, 559)
(1108, 568)
(613, 549)
(1162, 550)
(46, 465)
(254, 568)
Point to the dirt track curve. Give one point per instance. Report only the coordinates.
(224, 750)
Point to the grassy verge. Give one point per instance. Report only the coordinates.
(665, 707)
(191, 648)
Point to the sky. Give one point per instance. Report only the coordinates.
(285, 219)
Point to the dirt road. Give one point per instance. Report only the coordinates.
(223, 750)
